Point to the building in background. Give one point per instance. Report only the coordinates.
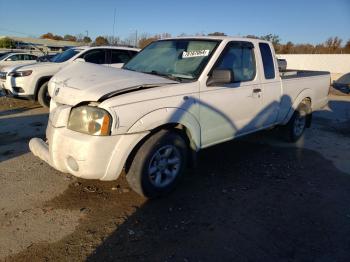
(43, 46)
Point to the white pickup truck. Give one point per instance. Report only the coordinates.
(30, 81)
(175, 97)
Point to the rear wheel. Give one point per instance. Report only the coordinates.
(158, 164)
(298, 123)
(43, 95)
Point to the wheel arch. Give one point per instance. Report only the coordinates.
(170, 118)
(39, 83)
(305, 96)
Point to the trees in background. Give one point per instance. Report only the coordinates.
(7, 43)
(333, 45)
(51, 36)
(67, 37)
(347, 47)
(100, 40)
(217, 34)
(145, 39)
(70, 38)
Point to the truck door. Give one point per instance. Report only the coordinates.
(229, 110)
(270, 86)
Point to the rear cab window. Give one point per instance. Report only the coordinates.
(267, 59)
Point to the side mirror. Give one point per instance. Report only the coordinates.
(80, 59)
(9, 59)
(220, 76)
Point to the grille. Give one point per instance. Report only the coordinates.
(3, 75)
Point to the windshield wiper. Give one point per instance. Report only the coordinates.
(169, 76)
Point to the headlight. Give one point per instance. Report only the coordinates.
(90, 120)
(21, 73)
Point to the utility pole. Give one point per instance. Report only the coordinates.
(136, 38)
(115, 11)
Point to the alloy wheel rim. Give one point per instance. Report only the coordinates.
(164, 166)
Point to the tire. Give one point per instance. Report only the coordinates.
(158, 165)
(43, 95)
(300, 119)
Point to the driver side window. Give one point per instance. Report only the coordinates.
(239, 58)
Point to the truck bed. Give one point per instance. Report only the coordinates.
(292, 73)
(315, 83)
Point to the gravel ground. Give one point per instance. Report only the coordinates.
(254, 199)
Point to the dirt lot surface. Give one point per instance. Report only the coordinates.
(254, 199)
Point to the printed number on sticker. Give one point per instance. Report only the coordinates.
(195, 53)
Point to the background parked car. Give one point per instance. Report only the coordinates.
(12, 59)
(30, 81)
(45, 58)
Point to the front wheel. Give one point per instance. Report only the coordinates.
(43, 95)
(158, 164)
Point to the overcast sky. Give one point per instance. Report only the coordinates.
(297, 21)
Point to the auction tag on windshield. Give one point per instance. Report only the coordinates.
(196, 53)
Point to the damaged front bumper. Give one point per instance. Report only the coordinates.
(85, 156)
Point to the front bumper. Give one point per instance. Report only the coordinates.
(8, 93)
(19, 87)
(85, 156)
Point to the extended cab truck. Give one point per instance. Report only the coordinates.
(175, 97)
(31, 81)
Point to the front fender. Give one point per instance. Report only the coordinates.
(165, 116)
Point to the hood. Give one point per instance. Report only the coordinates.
(82, 81)
(32, 66)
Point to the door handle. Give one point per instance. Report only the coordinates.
(257, 90)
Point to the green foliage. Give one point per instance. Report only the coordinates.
(7, 43)
(87, 39)
(47, 36)
(274, 39)
(100, 40)
(70, 38)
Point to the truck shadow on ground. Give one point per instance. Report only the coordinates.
(244, 203)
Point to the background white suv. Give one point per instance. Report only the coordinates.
(11, 59)
(30, 81)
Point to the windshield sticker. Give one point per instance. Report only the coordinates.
(197, 53)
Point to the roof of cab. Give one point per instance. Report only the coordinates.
(108, 47)
(222, 38)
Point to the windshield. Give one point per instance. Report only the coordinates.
(3, 55)
(66, 55)
(179, 58)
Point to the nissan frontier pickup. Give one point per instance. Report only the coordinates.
(174, 98)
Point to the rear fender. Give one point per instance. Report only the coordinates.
(306, 93)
